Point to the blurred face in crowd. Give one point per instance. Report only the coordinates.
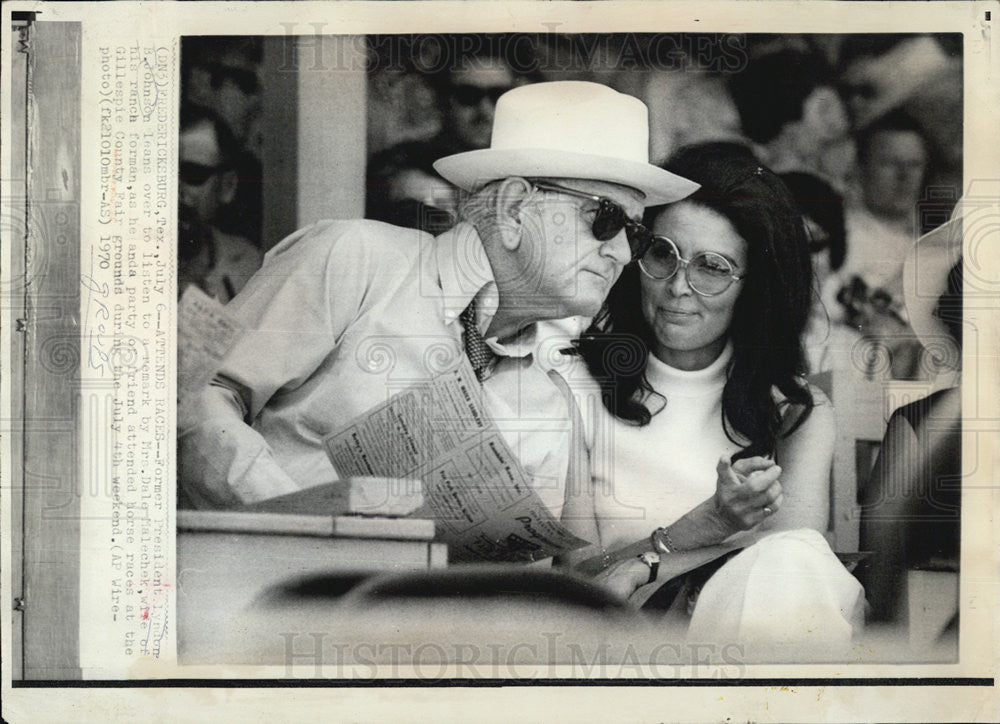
(205, 185)
(228, 84)
(892, 172)
(474, 89)
(824, 117)
(420, 200)
(691, 329)
(860, 90)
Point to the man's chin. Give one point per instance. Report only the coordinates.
(587, 306)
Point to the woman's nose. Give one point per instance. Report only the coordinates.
(678, 283)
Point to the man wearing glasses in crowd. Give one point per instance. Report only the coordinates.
(468, 99)
(402, 188)
(218, 262)
(346, 313)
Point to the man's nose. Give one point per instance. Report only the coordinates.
(486, 107)
(618, 248)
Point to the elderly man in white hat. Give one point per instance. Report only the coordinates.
(344, 314)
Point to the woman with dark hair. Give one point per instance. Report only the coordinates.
(823, 212)
(699, 357)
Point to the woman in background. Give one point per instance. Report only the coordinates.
(716, 437)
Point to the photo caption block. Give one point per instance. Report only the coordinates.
(128, 307)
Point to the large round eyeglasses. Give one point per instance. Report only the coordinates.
(708, 273)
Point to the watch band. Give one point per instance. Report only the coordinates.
(651, 559)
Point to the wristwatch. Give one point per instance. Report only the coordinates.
(651, 559)
(660, 540)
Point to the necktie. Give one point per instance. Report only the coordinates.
(480, 354)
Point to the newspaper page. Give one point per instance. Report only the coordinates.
(474, 485)
(94, 343)
(205, 333)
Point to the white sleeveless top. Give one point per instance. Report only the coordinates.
(650, 476)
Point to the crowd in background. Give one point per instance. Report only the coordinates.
(220, 187)
(866, 130)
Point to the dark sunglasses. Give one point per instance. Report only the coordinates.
(473, 95)
(609, 219)
(196, 174)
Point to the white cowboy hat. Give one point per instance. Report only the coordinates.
(925, 279)
(568, 129)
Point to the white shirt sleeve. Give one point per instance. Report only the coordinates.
(290, 326)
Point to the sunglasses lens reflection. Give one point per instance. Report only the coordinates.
(609, 220)
(605, 227)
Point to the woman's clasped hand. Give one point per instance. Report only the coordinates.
(748, 491)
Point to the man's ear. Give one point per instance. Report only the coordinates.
(508, 207)
(228, 181)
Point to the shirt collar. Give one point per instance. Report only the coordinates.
(465, 273)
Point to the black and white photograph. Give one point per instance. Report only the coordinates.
(355, 347)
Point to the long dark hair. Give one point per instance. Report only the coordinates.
(820, 202)
(769, 317)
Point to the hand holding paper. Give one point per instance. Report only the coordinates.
(474, 486)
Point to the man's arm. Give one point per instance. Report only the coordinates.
(224, 462)
(290, 325)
